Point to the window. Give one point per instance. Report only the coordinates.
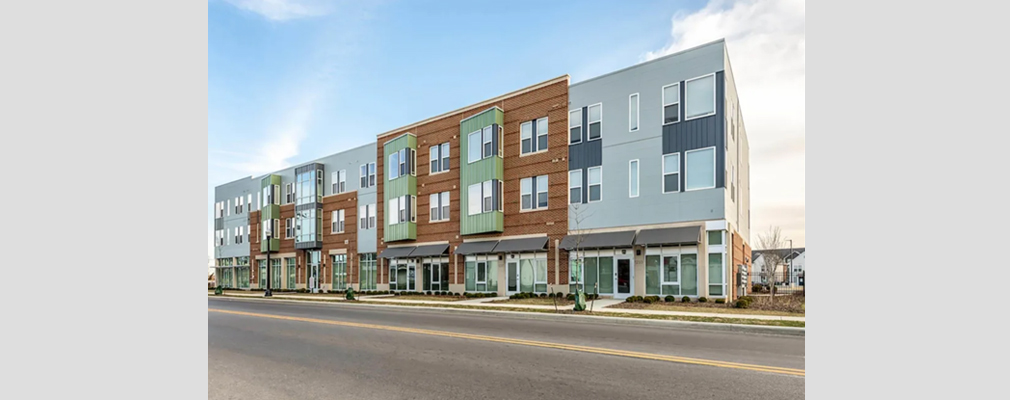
(481, 197)
(337, 221)
(367, 276)
(403, 209)
(671, 173)
(289, 229)
(339, 181)
(575, 126)
(367, 175)
(439, 206)
(473, 147)
(371, 174)
(248, 203)
(633, 112)
(289, 191)
(439, 158)
(595, 121)
(716, 275)
(339, 263)
(371, 216)
(363, 217)
(575, 186)
(595, 184)
(533, 193)
(394, 165)
(699, 169)
(714, 238)
(530, 141)
(700, 97)
(227, 207)
(633, 178)
(671, 270)
(403, 162)
(671, 103)
(488, 140)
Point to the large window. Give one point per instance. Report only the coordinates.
(671, 271)
(633, 112)
(533, 136)
(633, 178)
(532, 271)
(481, 197)
(435, 274)
(716, 275)
(394, 165)
(575, 186)
(438, 157)
(309, 187)
(402, 209)
(473, 147)
(438, 204)
(595, 122)
(339, 181)
(291, 268)
(671, 103)
(575, 126)
(596, 274)
(699, 169)
(339, 263)
(309, 225)
(533, 193)
(366, 276)
(337, 221)
(481, 273)
(699, 96)
(481, 143)
(671, 173)
(595, 184)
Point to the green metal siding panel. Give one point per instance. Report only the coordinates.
(478, 172)
(404, 231)
(401, 186)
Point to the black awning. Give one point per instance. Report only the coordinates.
(520, 245)
(430, 250)
(476, 247)
(599, 240)
(397, 252)
(669, 236)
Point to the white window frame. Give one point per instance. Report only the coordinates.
(338, 181)
(363, 216)
(470, 209)
(470, 142)
(638, 112)
(663, 174)
(445, 152)
(536, 193)
(714, 100)
(438, 206)
(248, 202)
(589, 184)
(486, 142)
(637, 178)
(371, 216)
(662, 267)
(288, 228)
(532, 138)
(227, 208)
(403, 217)
(714, 172)
(487, 196)
(662, 109)
(394, 211)
(582, 132)
(394, 165)
(337, 221)
(590, 123)
(577, 182)
(371, 174)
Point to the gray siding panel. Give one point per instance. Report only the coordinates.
(700, 133)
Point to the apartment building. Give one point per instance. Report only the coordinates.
(631, 183)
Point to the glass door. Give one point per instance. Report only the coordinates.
(623, 278)
(512, 272)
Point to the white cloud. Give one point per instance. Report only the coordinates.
(766, 41)
(283, 10)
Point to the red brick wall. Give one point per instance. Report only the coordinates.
(550, 101)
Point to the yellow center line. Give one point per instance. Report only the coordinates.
(560, 346)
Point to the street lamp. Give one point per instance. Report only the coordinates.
(267, 293)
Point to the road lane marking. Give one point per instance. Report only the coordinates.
(560, 346)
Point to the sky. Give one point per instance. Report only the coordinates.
(293, 80)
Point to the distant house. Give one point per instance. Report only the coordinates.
(790, 272)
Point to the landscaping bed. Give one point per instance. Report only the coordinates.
(427, 298)
(538, 301)
(783, 305)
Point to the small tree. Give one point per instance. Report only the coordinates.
(577, 215)
(771, 241)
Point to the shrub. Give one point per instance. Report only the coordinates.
(702, 300)
(685, 299)
(570, 297)
(635, 299)
(742, 303)
(652, 299)
(428, 293)
(758, 288)
(648, 300)
(543, 295)
(670, 299)
(720, 301)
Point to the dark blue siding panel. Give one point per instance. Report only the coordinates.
(700, 133)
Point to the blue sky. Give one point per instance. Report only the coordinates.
(290, 81)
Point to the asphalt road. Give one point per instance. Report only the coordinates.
(281, 350)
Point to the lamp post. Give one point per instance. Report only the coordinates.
(267, 293)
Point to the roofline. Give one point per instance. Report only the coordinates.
(722, 40)
(261, 176)
(548, 82)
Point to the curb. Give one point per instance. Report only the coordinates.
(592, 319)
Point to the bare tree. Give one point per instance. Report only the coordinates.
(577, 214)
(772, 242)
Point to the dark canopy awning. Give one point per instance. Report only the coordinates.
(520, 245)
(476, 247)
(599, 240)
(396, 252)
(669, 236)
(430, 250)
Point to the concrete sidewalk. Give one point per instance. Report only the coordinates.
(597, 306)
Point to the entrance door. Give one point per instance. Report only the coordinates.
(313, 261)
(512, 272)
(623, 278)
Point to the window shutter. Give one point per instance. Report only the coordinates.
(494, 195)
(495, 142)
